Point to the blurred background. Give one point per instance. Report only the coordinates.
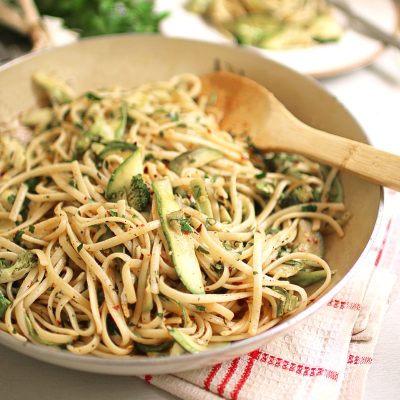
(317, 37)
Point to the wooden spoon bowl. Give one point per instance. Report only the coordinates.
(249, 107)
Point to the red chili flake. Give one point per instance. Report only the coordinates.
(167, 166)
(141, 225)
(207, 289)
(145, 169)
(116, 307)
(198, 229)
(185, 232)
(141, 257)
(58, 322)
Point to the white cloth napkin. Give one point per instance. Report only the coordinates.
(325, 357)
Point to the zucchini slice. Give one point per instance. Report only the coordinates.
(194, 158)
(308, 241)
(120, 148)
(181, 246)
(186, 341)
(121, 178)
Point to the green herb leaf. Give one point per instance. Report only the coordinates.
(261, 175)
(31, 229)
(200, 308)
(11, 198)
(210, 222)
(202, 250)
(80, 247)
(309, 208)
(226, 245)
(113, 213)
(93, 96)
(18, 237)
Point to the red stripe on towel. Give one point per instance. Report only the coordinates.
(344, 305)
(253, 356)
(354, 359)
(211, 376)
(299, 369)
(231, 370)
(380, 251)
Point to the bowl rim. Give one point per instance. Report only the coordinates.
(43, 352)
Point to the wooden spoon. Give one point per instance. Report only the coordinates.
(250, 107)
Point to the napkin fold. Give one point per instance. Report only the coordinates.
(326, 356)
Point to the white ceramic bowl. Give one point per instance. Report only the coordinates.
(129, 60)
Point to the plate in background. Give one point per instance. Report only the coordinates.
(353, 51)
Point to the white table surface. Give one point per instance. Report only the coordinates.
(373, 96)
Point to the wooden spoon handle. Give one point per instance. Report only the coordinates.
(361, 159)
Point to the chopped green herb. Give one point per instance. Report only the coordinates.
(255, 273)
(200, 308)
(160, 315)
(161, 134)
(309, 208)
(218, 266)
(183, 223)
(272, 231)
(174, 117)
(11, 198)
(149, 157)
(226, 245)
(31, 183)
(31, 229)
(182, 125)
(92, 96)
(210, 222)
(202, 250)
(80, 247)
(73, 183)
(261, 175)
(113, 213)
(18, 237)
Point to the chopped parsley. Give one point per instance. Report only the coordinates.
(18, 237)
(149, 157)
(261, 175)
(31, 229)
(93, 96)
(272, 231)
(226, 245)
(210, 222)
(113, 213)
(80, 247)
(174, 117)
(200, 308)
(202, 250)
(31, 183)
(11, 198)
(309, 208)
(218, 266)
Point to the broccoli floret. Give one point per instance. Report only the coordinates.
(23, 264)
(138, 195)
(4, 303)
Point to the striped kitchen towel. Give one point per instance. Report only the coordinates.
(325, 357)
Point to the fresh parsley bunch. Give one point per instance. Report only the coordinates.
(99, 17)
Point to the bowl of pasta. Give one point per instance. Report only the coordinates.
(138, 237)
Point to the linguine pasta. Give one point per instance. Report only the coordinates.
(82, 268)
